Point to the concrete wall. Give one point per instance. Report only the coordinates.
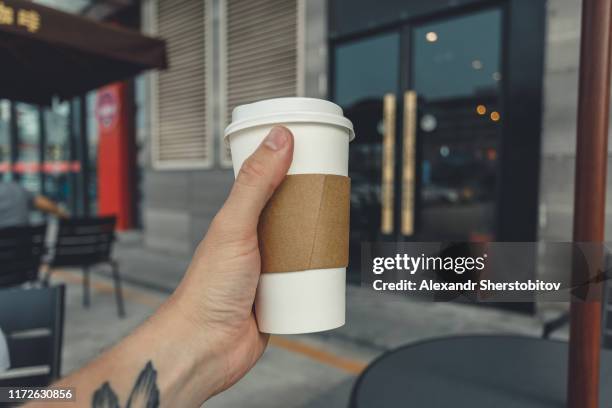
(559, 123)
(180, 205)
(315, 49)
(559, 119)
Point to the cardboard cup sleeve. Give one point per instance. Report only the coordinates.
(305, 224)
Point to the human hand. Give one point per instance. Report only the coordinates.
(218, 290)
(62, 213)
(205, 337)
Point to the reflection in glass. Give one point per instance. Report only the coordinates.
(92, 137)
(57, 165)
(27, 164)
(458, 80)
(464, 61)
(5, 141)
(366, 69)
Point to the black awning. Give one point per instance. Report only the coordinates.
(45, 53)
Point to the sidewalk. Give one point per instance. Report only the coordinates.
(309, 371)
(376, 320)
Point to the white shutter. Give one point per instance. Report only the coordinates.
(259, 54)
(183, 137)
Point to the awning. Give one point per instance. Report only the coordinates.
(45, 53)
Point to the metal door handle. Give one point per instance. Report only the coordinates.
(409, 162)
(388, 164)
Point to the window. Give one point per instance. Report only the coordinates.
(182, 129)
(260, 53)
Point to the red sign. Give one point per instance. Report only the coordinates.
(107, 108)
(61, 166)
(26, 167)
(51, 167)
(115, 154)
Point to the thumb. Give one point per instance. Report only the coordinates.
(260, 174)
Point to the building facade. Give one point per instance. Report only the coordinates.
(238, 52)
(482, 96)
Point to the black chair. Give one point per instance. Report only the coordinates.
(32, 320)
(84, 243)
(21, 249)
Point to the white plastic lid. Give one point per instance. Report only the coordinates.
(288, 110)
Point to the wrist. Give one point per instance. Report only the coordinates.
(200, 370)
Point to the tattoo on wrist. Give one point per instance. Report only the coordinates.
(145, 393)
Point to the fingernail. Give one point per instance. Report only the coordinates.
(276, 139)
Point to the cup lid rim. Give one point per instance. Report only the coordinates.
(332, 114)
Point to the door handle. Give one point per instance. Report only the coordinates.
(388, 164)
(409, 162)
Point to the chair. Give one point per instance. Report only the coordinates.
(21, 249)
(32, 320)
(84, 243)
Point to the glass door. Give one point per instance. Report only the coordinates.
(452, 128)
(5, 141)
(366, 78)
(57, 166)
(425, 103)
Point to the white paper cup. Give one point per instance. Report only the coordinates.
(312, 300)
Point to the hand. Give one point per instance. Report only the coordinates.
(48, 206)
(205, 337)
(218, 290)
(63, 214)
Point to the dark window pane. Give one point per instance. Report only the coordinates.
(457, 75)
(57, 165)
(27, 165)
(458, 57)
(5, 141)
(366, 69)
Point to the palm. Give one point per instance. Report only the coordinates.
(222, 280)
(233, 272)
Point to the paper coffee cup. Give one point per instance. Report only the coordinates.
(311, 300)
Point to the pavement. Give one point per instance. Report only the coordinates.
(306, 371)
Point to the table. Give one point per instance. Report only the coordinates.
(473, 371)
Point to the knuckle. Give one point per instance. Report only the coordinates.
(252, 172)
(227, 228)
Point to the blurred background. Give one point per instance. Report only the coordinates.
(474, 100)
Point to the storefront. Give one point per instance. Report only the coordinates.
(67, 100)
(447, 105)
(42, 149)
